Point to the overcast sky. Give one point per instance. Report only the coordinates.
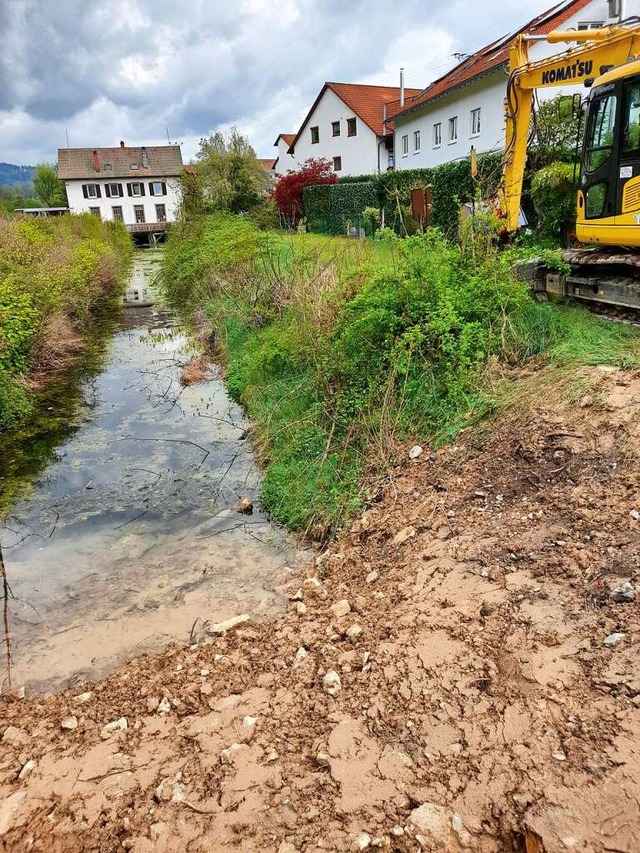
(106, 70)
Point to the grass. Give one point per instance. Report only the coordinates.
(342, 350)
(53, 275)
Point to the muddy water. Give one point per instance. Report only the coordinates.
(128, 539)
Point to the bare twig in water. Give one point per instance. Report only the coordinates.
(176, 441)
(5, 615)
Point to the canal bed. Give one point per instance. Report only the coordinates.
(129, 539)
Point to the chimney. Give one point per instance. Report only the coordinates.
(402, 87)
(96, 162)
(122, 143)
(384, 119)
(145, 159)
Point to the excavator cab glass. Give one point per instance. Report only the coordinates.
(631, 120)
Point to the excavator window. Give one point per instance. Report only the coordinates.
(600, 132)
(631, 126)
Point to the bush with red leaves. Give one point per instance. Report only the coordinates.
(288, 191)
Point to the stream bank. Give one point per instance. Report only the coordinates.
(128, 538)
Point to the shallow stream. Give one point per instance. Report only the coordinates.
(128, 538)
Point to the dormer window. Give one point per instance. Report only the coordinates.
(133, 166)
(107, 167)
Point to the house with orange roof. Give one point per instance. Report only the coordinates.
(464, 108)
(351, 126)
(284, 161)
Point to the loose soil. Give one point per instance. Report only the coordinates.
(471, 702)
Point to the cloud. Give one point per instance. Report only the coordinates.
(107, 70)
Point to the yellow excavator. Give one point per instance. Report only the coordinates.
(607, 267)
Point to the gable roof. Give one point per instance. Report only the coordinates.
(287, 137)
(493, 56)
(366, 102)
(267, 163)
(162, 161)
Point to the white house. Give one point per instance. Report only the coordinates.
(351, 126)
(284, 161)
(135, 185)
(465, 107)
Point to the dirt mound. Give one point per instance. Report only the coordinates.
(461, 672)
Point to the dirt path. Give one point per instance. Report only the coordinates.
(440, 681)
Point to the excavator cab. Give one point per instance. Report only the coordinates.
(609, 186)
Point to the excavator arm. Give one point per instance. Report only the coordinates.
(597, 51)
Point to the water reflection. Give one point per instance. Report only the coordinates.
(129, 537)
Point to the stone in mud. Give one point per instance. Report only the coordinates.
(372, 577)
(9, 809)
(220, 628)
(403, 535)
(440, 826)
(354, 633)
(415, 452)
(114, 726)
(331, 683)
(244, 506)
(164, 706)
(613, 639)
(341, 608)
(623, 594)
(69, 723)
(15, 736)
(28, 768)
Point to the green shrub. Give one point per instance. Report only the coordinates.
(327, 208)
(554, 196)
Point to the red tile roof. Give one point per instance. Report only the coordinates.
(366, 102)
(267, 163)
(288, 138)
(494, 55)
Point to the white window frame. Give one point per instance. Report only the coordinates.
(338, 158)
(155, 185)
(416, 141)
(437, 134)
(405, 145)
(476, 121)
(92, 191)
(590, 25)
(453, 130)
(118, 193)
(136, 185)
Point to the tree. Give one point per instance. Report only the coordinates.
(49, 188)
(231, 176)
(288, 191)
(556, 128)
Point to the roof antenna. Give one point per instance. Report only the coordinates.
(168, 140)
(461, 56)
(66, 130)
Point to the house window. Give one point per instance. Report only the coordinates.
(590, 25)
(337, 164)
(416, 141)
(117, 213)
(352, 127)
(335, 128)
(113, 190)
(437, 135)
(95, 211)
(315, 135)
(135, 189)
(157, 188)
(475, 122)
(138, 210)
(405, 145)
(161, 213)
(91, 191)
(614, 8)
(453, 129)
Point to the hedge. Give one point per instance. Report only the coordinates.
(327, 208)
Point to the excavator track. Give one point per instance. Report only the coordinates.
(596, 276)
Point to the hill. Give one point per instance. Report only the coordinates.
(12, 175)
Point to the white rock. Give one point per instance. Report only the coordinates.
(83, 697)
(613, 639)
(436, 824)
(397, 831)
(287, 847)
(416, 451)
(623, 594)
(221, 628)
(341, 608)
(301, 608)
(8, 810)
(114, 726)
(164, 706)
(204, 672)
(69, 723)
(363, 841)
(301, 655)
(635, 515)
(323, 759)
(354, 632)
(271, 755)
(403, 535)
(372, 577)
(559, 755)
(331, 683)
(15, 736)
(29, 767)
